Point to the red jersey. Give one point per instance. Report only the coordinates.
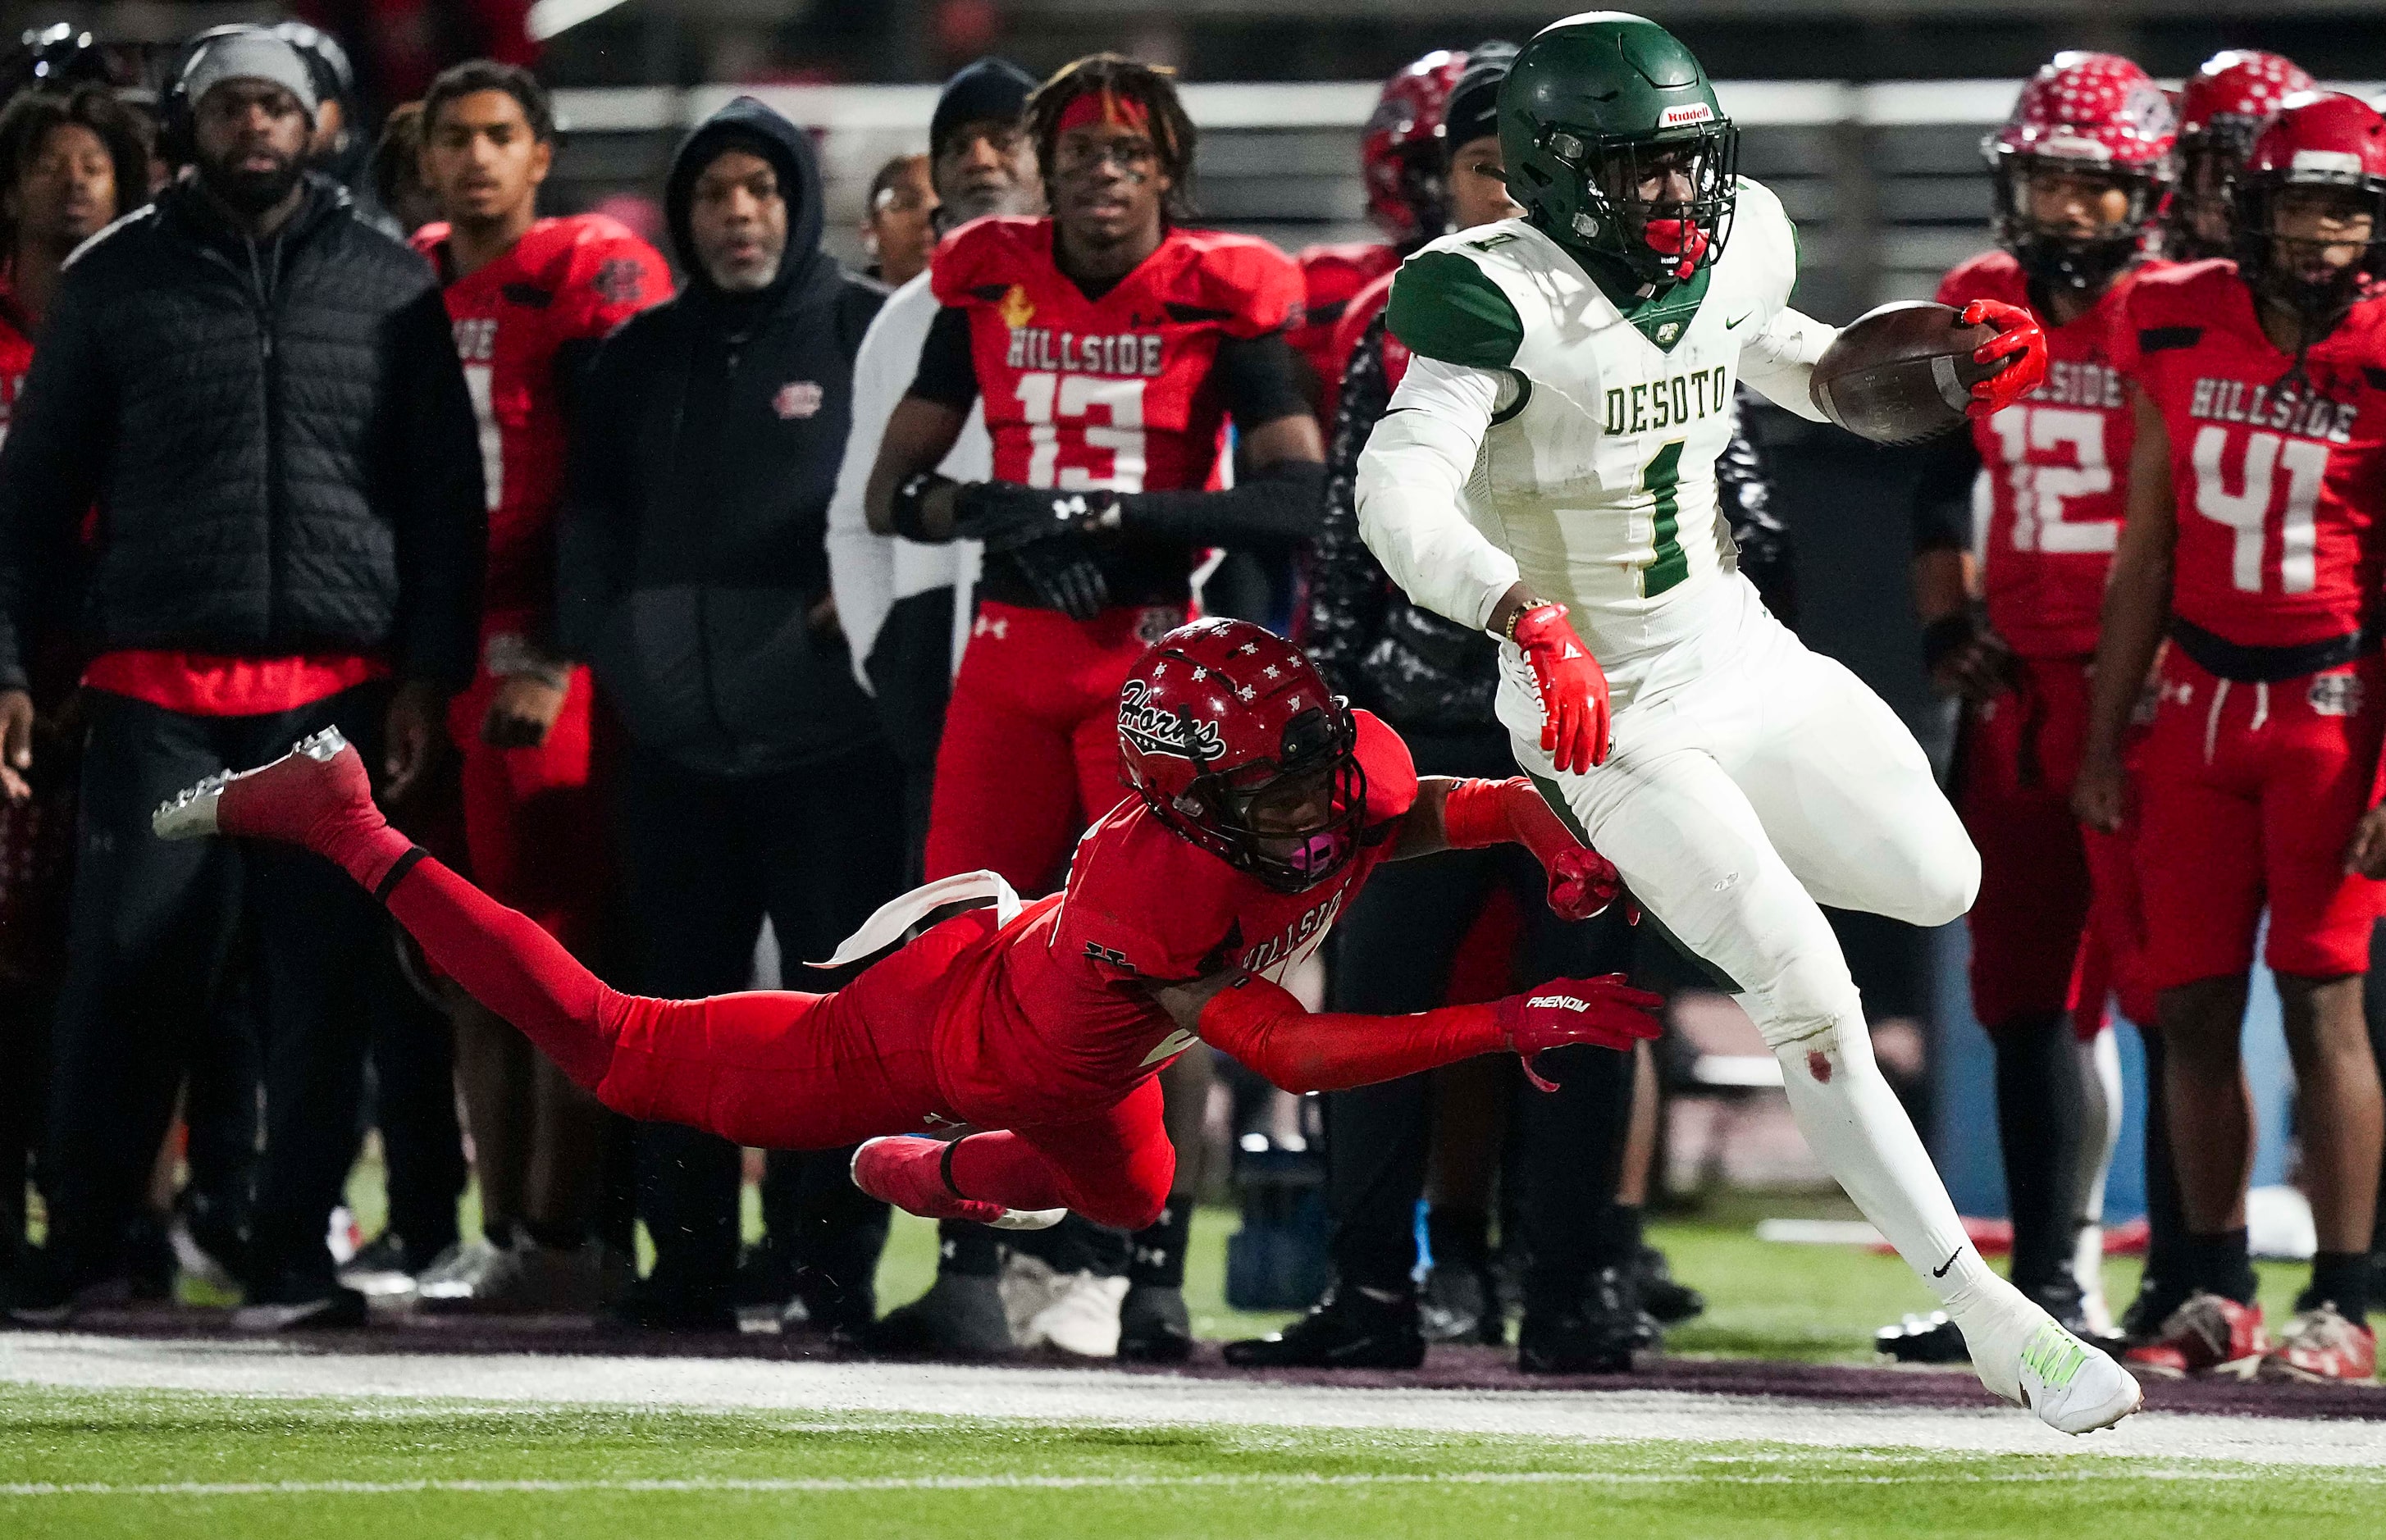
(565, 281)
(1054, 1014)
(1357, 315)
(1116, 391)
(16, 354)
(2058, 463)
(1332, 279)
(2279, 478)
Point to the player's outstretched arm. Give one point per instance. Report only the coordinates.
(1779, 360)
(2136, 608)
(1451, 814)
(1269, 1032)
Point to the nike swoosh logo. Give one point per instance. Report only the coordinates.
(1733, 325)
(1941, 1270)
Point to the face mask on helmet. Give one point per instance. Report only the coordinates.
(2072, 224)
(2197, 224)
(2311, 245)
(1661, 205)
(1294, 821)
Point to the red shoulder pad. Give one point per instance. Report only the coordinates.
(1254, 288)
(1392, 774)
(1357, 314)
(978, 262)
(1142, 903)
(614, 272)
(1990, 275)
(2163, 303)
(1331, 274)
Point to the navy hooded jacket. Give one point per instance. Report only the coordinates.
(703, 454)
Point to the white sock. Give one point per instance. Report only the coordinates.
(1855, 1123)
(2100, 1131)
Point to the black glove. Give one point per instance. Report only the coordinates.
(1007, 516)
(1064, 575)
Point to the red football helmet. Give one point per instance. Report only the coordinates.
(1234, 742)
(2221, 109)
(2333, 144)
(2096, 121)
(1400, 151)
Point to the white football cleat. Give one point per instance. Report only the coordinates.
(2073, 1386)
(190, 814)
(1082, 1320)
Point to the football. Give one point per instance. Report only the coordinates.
(1901, 373)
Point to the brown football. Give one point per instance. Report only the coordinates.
(1901, 373)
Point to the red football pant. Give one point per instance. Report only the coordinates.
(2056, 926)
(533, 824)
(2250, 793)
(784, 1070)
(1030, 753)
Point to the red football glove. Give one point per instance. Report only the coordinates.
(1582, 884)
(1479, 813)
(1606, 1011)
(1571, 685)
(2019, 338)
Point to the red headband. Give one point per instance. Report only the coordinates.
(1104, 109)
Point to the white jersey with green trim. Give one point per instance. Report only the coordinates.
(1587, 457)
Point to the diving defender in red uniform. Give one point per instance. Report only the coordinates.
(2255, 492)
(2082, 168)
(529, 300)
(1262, 803)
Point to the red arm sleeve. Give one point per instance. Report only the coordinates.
(1477, 813)
(1266, 1031)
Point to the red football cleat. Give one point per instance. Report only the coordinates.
(2208, 1332)
(320, 782)
(909, 1171)
(2322, 1346)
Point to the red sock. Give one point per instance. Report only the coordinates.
(503, 960)
(1003, 1168)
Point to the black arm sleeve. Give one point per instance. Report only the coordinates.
(1942, 498)
(1347, 585)
(431, 486)
(51, 466)
(1744, 485)
(1261, 378)
(947, 373)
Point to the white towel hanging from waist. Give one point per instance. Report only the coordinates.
(899, 915)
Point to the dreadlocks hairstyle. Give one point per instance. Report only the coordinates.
(1151, 87)
(32, 115)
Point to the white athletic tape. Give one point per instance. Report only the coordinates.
(899, 915)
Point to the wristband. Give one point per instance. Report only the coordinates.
(1946, 635)
(910, 507)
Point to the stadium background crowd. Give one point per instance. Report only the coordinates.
(696, 691)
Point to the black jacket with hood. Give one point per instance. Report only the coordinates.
(276, 438)
(696, 501)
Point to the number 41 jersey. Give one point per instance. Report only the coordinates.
(2279, 472)
(1116, 391)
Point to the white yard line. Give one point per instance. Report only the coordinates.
(1051, 1395)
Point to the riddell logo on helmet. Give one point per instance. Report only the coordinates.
(1157, 730)
(1688, 112)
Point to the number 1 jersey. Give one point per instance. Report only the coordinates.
(566, 280)
(1116, 391)
(2279, 465)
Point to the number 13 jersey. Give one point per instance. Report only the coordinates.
(1116, 391)
(2279, 468)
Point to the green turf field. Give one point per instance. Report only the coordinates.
(76, 1464)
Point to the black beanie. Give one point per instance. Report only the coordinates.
(1473, 110)
(991, 88)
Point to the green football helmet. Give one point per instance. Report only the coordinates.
(1616, 146)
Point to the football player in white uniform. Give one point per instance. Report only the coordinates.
(1551, 453)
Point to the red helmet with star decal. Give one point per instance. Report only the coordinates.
(2084, 126)
(1231, 738)
(2221, 109)
(1400, 151)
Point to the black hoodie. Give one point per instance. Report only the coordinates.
(696, 499)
